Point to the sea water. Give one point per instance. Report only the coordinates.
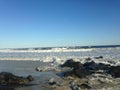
(61, 54)
(24, 62)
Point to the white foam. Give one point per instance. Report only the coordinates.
(52, 50)
(60, 55)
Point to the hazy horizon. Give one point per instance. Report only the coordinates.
(56, 23)
(89, 46)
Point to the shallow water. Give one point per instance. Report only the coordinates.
(25, 68)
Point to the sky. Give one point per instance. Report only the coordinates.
(51, 23)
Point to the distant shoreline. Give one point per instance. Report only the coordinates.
(64, 47)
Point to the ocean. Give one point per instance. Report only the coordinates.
(111, 52)
(24, 61)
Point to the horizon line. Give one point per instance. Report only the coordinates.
(117, 45)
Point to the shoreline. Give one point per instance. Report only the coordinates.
(45, 68)
(24, 68)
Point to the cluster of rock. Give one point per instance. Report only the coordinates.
(88, 75)
(79, 74)
(7, 78)
(82, 70)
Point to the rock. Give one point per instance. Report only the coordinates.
(88, 59)
(52, 81)
(88, 68)
(71, 63)
(84, 86)
(30, 78)
(100, 57)
(69, 73)
(79, 69)
(46, 68)
(114, 71)
(102, 66)
(79, 72)
(96, 66)
(7, 78)
(73, 86)
(55, 82)
(38, 69)
(82, 72)
(90, 65)
(112, 62)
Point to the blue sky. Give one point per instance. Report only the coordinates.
(44, 23)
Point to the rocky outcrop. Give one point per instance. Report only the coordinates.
(7, 78)
(82, 70)
(86, 76)
(96, 66)
(114, 71)
(71, 63)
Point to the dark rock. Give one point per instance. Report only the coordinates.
(91, 64)
(114, 71)
(102, 66)
(84, 86)
(82, 72)
(112, 62)
(100, 57)
(7, 78)
(96, 66)
(88, 59)
(88, 68)
(69, 73)
(52, 83)
(71, 63)
(79, 72)
(30, 78)
(79, 69)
